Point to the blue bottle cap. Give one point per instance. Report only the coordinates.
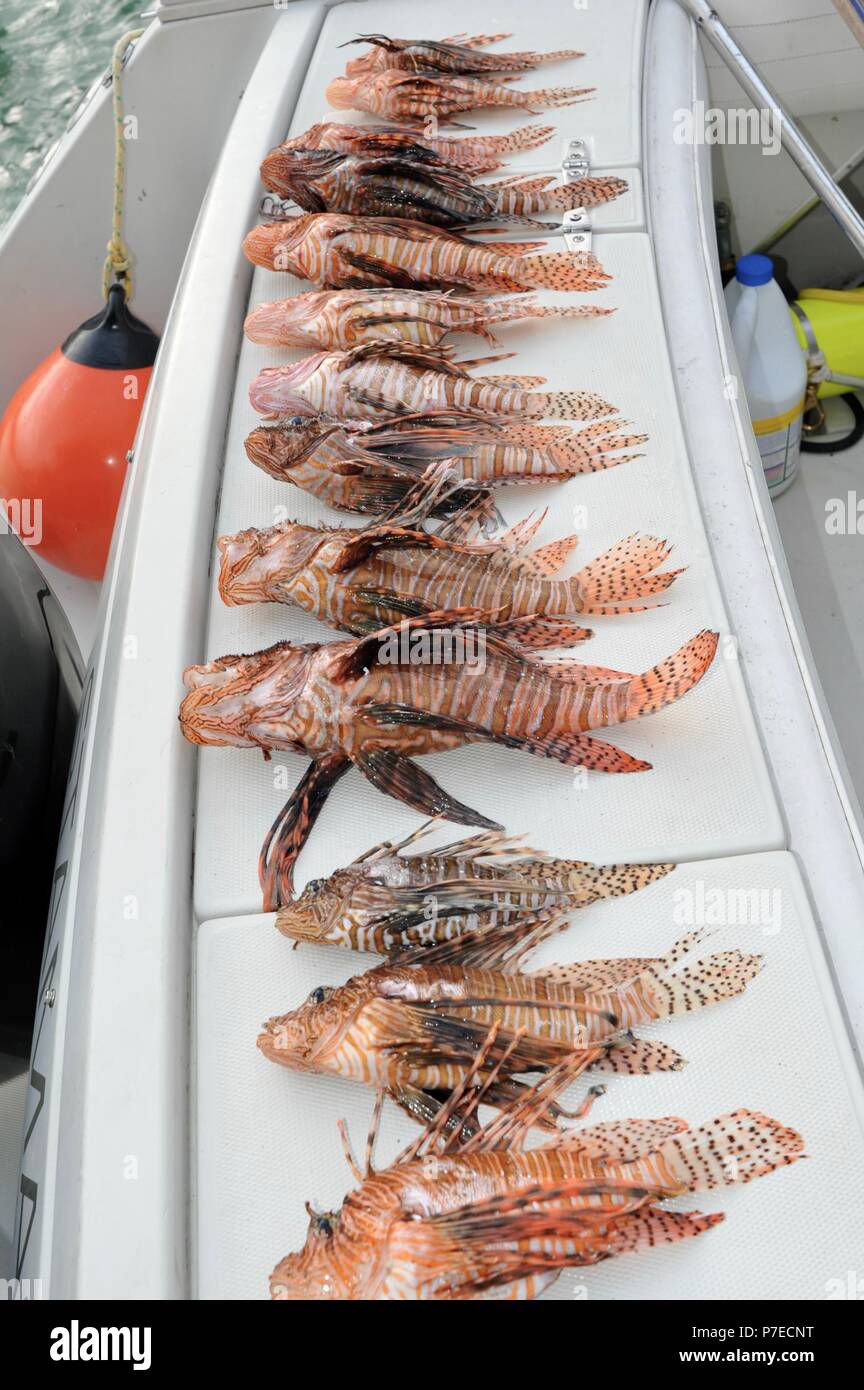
(753, 270)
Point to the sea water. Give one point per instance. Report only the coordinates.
(51, 51)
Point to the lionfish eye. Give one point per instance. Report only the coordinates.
(297, 420)
(320, 1221)
(315, 885)
(320, 994)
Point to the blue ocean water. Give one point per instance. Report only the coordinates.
(50, 53)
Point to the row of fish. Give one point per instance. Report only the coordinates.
(383, 420)
(452, 1021)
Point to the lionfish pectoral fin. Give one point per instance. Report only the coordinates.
(416, 913)
(424, 1033)
(381, 537)
(377, 320)
(291, 829)
(516, 1217)
(399, 777)
(478, 510)
(375, 269)
(506, 1093)
(368, 651)
(425, 1106)
(494, 948)
(496, 1267)
(574, 750)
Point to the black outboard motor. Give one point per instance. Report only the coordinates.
(41, 676)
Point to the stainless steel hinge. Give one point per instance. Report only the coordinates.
(577, 161)
(576, 225)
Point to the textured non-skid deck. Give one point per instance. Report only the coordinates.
(709, 792)
(267, 1139)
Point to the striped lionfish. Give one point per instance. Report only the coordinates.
(482, 1217)
(359, 466)
(404, 186)
(386, 899)
(376, 700)
(402, 379)
(342, 319)
(477, 154)
(412, 1026)
(361, 579)
(395, 92)
(336, 251)
(458, 55)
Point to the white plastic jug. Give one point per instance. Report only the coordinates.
(773, 367)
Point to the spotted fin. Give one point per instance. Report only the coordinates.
(731, 1149)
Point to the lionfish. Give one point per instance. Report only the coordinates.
(402, 379)
(412, 1026)
(477, 154)
(336, 251)
(376, 700)
(342, 319)
(394, 92)
(359, 466)
(426, 190)
(360, 579)
(459, 55)
(484, 1217)
(385, 899)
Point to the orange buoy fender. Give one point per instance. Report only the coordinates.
(66, 433)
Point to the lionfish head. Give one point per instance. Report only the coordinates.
(313, 915)
(225, 696)
(342, 91)
(310, 1273)
(292, 172)
(278, 448)
(273, 244)
(276, 390)
(255, 564)
(304, 1038)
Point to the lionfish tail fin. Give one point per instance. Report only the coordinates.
(526, 307)
(620, 580)
(673, 677)
(595, 447)
(562, 270)
(543, 99)
(662, 993)
(734, 1148)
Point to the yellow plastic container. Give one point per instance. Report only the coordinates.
(837, 318)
